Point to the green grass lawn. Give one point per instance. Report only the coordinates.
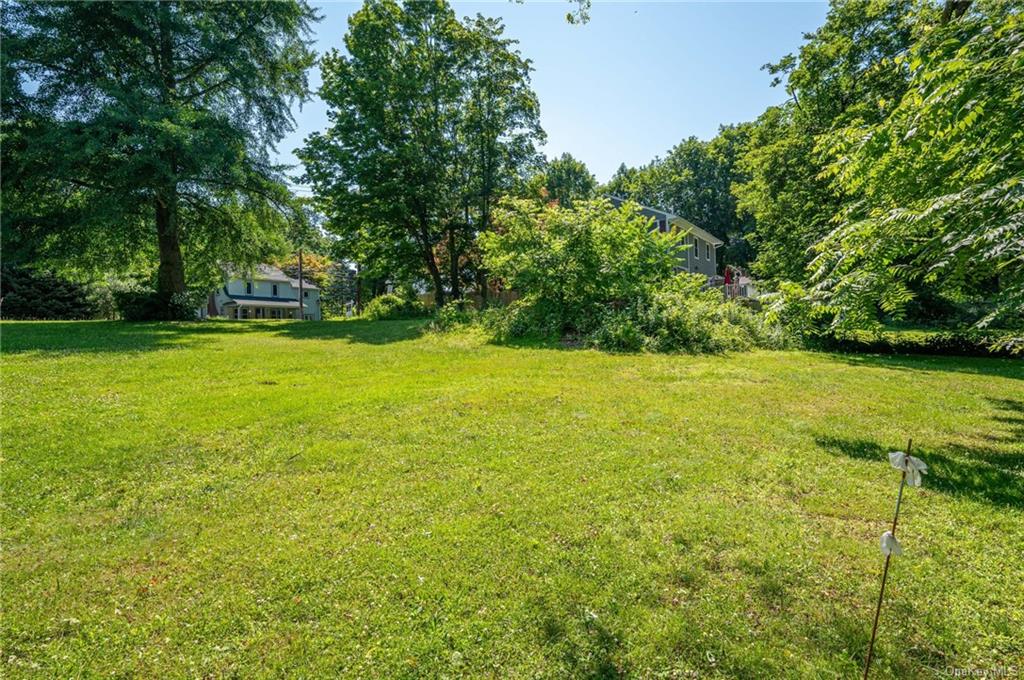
(314, 499)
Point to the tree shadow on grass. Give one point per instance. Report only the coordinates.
(1002, 367)
(994, 474)
(69, 337)
(356, 331)
(586, 648)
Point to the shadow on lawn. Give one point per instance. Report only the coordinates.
(989, 473)
(59, 337)
(1002, 367)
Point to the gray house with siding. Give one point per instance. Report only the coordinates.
(699, 255)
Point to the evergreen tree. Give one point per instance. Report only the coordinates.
(147, 130)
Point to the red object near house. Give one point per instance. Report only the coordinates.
(728, 275)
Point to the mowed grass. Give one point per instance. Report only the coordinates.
(363, 499)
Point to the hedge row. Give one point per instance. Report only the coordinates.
(970, 343)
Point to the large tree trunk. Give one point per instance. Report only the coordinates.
(171, 273)
(481, 271)
(453, 264)
(431, 262)
(435, 277)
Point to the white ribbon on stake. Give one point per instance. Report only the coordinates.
(914, 467)
(911, 469)
(890, 546)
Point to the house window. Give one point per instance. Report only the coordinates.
(661, 226)
(707, 251)
(305, 293)
(275, 290)
(248, 287)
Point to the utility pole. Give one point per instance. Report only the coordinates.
(302, 315)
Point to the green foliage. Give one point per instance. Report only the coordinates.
(937, 188)
(792, 308)
(599, 276)
(455, 314)
(682, 316)
(142, 304)
(791, 205)
(963, 343)
(571, 264)
(846, 70)
(390, 307)
(566, 181)
(144, 137)
(432, 118)
(694, 181)
(30, 294)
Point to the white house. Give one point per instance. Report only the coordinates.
(266, 293)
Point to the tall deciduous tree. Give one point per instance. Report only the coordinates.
(429, 118)
(567, 180)
(498, 132)
(845, 71)
(937, 188)
(145, 126)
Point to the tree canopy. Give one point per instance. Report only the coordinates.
(936, 189)
(139, 132)
(566, 180)
(431, 118)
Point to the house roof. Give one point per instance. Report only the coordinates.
(673, 219)
(266, 272)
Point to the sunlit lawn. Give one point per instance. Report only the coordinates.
(315, 499)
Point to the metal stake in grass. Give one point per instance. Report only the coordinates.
(913, 468)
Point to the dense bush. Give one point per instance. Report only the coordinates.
(572, 265)
(391, 306)
(681, 316)
(791, 308)
(453, 315)
(141, 304)
(29, 294)
(966, 342)
(598, 275)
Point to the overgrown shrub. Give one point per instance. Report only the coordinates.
(141, 304)
(572, 265)
(681, 316)
(791, 308)
(30, 294)
(599, 275)
(453, 315)
(391, 306)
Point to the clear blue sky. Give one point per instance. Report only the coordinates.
(635, 80)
